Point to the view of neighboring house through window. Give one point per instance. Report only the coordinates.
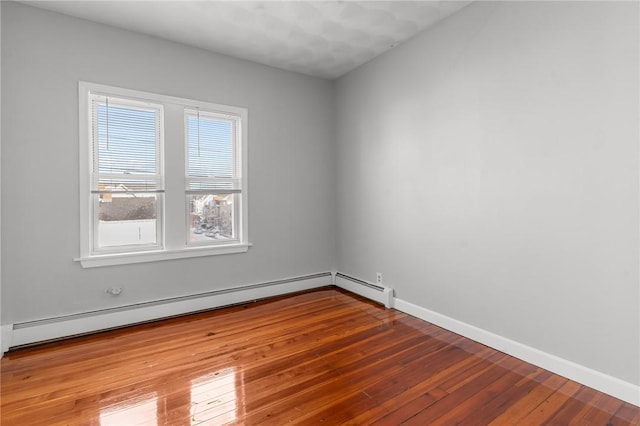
(127, 173)
(161, 177)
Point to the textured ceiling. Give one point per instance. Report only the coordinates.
(320, 38)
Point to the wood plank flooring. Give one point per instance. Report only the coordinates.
(324, 357)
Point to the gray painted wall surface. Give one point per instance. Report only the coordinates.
(291, 161)
(489, 169)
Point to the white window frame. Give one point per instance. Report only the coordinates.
(173, 234)
(159, 244)
(238, 171)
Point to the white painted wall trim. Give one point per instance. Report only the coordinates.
(6, 336)
(54, 328)
(610, 385)
(375, 292)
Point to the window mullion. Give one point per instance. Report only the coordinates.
(175, 214)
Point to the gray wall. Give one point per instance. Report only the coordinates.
(489, 169)
(291, 161)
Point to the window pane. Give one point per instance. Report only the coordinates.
(211, 217)
(126, 219)
(209, 147)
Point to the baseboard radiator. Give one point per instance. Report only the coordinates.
(375, 292)
(30, 332)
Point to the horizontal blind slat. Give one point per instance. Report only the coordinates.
(157, 191)
(126, 145)
(213, 191)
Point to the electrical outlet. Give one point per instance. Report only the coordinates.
(379, 278)
(114, 291)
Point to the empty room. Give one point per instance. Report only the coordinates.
(320, 212)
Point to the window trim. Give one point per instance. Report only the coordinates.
(171, 249)
(160, 255)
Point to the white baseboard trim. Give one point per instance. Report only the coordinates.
(71, 325)
(610, 385)
(6, 335)
(375, 292)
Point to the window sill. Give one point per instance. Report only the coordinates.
(159, 255)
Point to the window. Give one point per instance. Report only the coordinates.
(213, 180)
(126, 174)
(161, 177)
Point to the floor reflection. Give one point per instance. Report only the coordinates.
(214, 398)
(139, 411)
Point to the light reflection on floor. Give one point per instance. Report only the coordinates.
(142, 411)
(214, 396)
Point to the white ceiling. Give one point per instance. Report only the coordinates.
(321, 38)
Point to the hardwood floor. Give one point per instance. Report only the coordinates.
(322, 357)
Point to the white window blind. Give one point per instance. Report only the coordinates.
(126, 145)
(213, 152)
